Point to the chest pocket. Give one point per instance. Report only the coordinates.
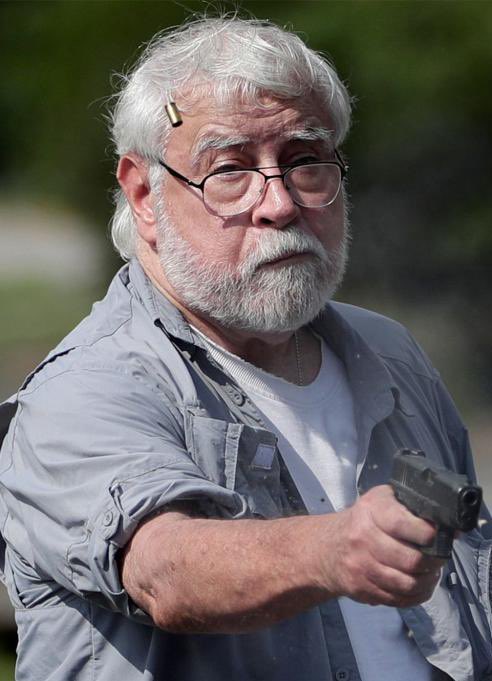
(240, 458)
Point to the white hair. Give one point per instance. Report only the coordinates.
(236, 60)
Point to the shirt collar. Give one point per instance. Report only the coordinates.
(371, 382)
(160, 308)
(373, 387)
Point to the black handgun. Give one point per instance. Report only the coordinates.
(445, 498)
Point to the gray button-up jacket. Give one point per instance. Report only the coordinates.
(129, 414)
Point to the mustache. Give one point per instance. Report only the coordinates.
(277, 244)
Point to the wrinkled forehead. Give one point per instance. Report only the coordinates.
(247, 104)
(212, 125)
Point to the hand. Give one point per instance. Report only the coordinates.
(373, 556)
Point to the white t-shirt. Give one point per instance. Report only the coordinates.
(317, 436)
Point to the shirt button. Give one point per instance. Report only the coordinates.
(452, 579)
(342, 675)
(237, 398)
(108, 518)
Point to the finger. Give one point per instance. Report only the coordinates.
(394, 519)
(401, 585)
(404, 557)
(364, 537)
(391, 590)
(425, 564)
(403, 601)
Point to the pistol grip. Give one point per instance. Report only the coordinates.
(442, 544)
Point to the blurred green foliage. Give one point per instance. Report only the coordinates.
(419, 151)
(8, 641)
(7, 666)
(30, 324)
(39, 315)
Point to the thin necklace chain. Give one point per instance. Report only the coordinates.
(300, 378)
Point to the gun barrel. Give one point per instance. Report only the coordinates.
(435, 493)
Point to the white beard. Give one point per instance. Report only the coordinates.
(250, 297)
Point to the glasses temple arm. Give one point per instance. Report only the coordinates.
(175, 173)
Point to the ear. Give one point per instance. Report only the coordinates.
(132, 174)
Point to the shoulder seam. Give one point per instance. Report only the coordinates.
(432, 375)
(96, 367)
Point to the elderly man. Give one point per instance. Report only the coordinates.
(193, 480)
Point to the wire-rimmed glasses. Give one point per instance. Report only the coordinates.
(230, 192)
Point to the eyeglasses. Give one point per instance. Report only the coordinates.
(231, 192)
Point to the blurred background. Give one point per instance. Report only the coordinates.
(420, 174)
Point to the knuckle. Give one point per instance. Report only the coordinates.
(357, 536)
(408, 585)
(391, 598)
(353, 569)
(428, 533)
(393, 524)
(371, 499)
(415, 562)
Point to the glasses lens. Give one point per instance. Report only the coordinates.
(231, 193)
(314, 185)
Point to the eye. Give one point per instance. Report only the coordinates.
(227, 168)
(302, 160)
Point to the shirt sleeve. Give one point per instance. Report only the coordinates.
(92, 452)
(460, 447)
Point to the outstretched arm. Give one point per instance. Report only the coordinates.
(204, 575)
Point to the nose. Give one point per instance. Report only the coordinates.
(275, 207)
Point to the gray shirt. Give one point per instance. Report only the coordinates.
(127, 415)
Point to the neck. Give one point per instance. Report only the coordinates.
(294, 356)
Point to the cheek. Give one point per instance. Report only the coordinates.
(221, 246)
(206, 234)
(329, 226)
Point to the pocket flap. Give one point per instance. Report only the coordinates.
(240, 458)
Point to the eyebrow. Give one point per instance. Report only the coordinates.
(310, 134)
(215, 142)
